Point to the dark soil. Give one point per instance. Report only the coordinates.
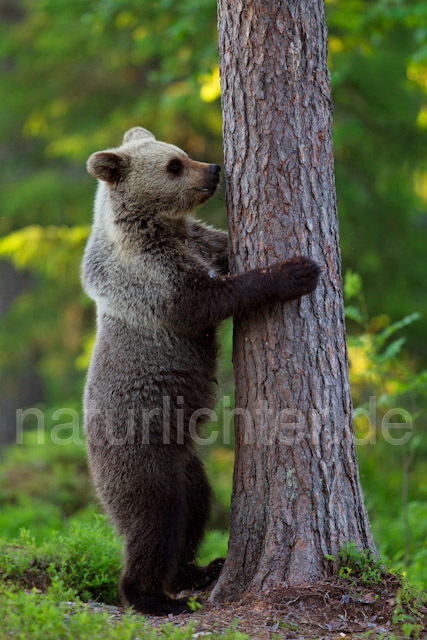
(330, 610)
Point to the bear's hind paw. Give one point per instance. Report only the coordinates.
(161, 605)
(195, 578)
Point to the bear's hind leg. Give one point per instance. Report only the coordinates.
(198, 495)
(153, 547)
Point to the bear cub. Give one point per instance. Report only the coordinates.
(161, 285)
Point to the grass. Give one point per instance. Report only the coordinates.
(87, 558)
(37, 616)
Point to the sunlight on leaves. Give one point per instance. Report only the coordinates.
(211, 85)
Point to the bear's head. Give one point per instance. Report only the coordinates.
(145, 177)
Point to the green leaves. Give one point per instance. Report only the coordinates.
(49, 250)
(352, 284)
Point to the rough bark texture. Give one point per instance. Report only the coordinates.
(296, 493)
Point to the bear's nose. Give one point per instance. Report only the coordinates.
(214, 169)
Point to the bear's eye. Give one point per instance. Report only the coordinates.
(175, 166)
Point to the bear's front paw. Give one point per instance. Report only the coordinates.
(302, 276)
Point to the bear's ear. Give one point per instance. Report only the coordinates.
(107, 165)
(137, 133)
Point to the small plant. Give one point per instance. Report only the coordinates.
(413, 597)
(290, 626)
(408, 607)
(194, 603)
(345, 572)
(411, 630)
(358, 565)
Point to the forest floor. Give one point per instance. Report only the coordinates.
(59, 590)
(332, 610)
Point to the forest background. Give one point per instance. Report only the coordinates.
(76, 75)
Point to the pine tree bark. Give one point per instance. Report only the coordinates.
(296, 491)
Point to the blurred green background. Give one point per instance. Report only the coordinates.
(76, 75)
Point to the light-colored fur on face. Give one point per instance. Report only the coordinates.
(135, 182)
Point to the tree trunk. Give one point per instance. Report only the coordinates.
(296, 491)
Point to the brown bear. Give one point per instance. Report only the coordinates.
(161, 285)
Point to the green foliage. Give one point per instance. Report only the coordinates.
(41, 485)
(63, 573)
(86, 559)
(194, 603)
(378, 56)
(412, 598)
(359, 565)
(52, 615)
(214, 546)
(51, 250)
(408, 611)
(89, 560)
(390, 401)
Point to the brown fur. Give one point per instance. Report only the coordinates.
(161, 284)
